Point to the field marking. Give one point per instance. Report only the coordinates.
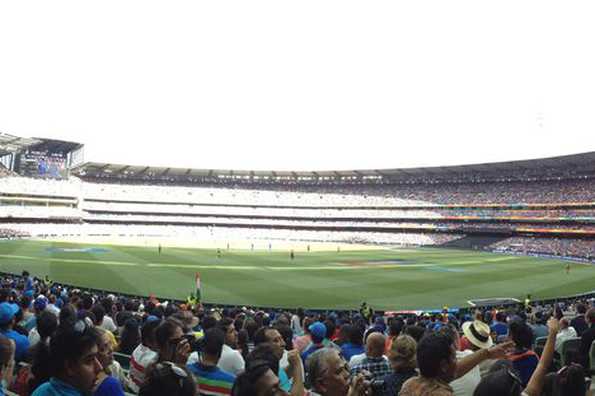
(68, 260)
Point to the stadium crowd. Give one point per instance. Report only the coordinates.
(563, 247)
(56, 340)
(463, 193)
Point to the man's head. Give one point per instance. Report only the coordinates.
(8, 312)
(212, 344)
(259, 379)
(270, 335)
(317, 332)
(231, 335)
(74, 355)
(581, 308)
(521, 334)
(590, 316)
(47, 323)
(328, 372)
(375, 345)
(436, 357)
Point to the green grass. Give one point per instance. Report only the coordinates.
(426, 278)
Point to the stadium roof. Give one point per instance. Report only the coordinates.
(577, 164)
(12, 144)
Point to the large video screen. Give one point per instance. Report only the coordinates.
(44, 164)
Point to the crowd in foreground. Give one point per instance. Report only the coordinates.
(60, 341)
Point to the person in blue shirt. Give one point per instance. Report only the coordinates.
(355, 342)
(74, 363)
(7, 323)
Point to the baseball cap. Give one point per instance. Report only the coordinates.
(318, 330)
(40, 303)
(7, 312)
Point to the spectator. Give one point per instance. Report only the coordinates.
(293, 377)
(170, 341)
(402, 360)
(47, 323)
(523, 358)
(209, 378)
(477, 333)
(464, 385)
(105, 383)
(259, 379)
(355, 342)
(579, 322)
(317, 332)
(588, 337)
(374, 362)
(130, 337)
(499, 326)
(166, 378)
(231, 360)
(102, 320)
(74, 363)
(144, 355)
(7, 322)
(504, 379)
(328, 374)
(296, 322)
(566, 332)
(436, 359)
(302, 342)
(568, 381)
(395, 326)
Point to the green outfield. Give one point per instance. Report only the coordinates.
(386, 279)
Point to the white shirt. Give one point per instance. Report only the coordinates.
(141, 358)
(53, 309)
(33, 337)
(230, 360)
(563, 335)
(465, 385)
(108, 324)
(357, 359)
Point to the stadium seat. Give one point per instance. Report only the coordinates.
(570, 351)
(539, 345)
(123, 359)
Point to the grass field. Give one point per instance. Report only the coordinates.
(386, 279)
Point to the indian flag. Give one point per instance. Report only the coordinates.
(197, 290)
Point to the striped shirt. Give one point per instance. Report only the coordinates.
(211, 380)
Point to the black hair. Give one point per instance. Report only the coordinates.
(130, 337)
(245, 383)
(212, 342)
(502, 382)
(208, 322)
(147, 332)
(165, 378)
(224, 323)
(260, 335)
(521, 334)
(99, 312)
(431, 351)
(330, 328)
(165, 330)
(287, 335)
(47, 323)
(69, 343)
(395, 326)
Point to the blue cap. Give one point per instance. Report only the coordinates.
(151, 318)
(40, 303)
(318, 330)
(28, 293)
(7, 312)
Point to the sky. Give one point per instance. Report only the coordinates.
(301, 85)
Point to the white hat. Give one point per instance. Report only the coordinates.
(478, 333)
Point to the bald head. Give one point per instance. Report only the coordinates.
(375, 344)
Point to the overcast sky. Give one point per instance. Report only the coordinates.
(301, 85)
